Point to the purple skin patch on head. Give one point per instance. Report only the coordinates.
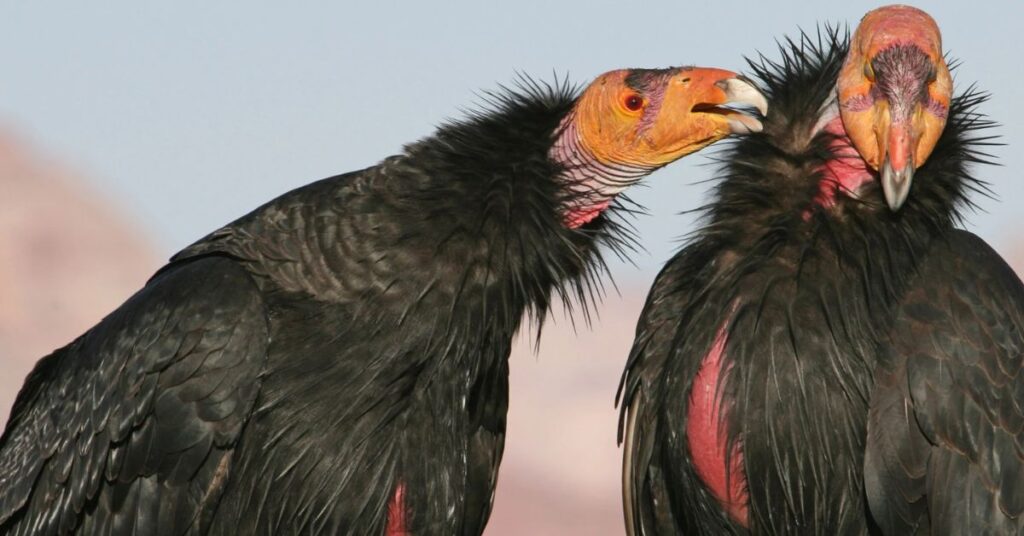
(936, 108)
(902, 75)
(860, 103)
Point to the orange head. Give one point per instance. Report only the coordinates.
(894, 93)
(646, 118)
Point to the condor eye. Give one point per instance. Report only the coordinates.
(932, 74)
(869, 72)
(633, 102)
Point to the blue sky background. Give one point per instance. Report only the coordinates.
(190, 114)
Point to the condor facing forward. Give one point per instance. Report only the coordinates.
(830, 355)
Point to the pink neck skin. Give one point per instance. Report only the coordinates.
(579, 216)
(707, 438)
(594, 184)
(844, 174)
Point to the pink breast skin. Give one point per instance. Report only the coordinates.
(396, 513)
(706, 435)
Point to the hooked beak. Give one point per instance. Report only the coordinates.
(739, 91)
(700, 106)
(906, 139)
(896, 183)
(730, 96)
(900, 135)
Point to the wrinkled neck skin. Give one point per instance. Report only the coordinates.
(591, 185)
(846, 172)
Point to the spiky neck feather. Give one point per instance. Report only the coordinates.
(536, 128)
(482, 201)
(425, 265)
(797, 148)
(524, 159)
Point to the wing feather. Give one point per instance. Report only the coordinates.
(123, 430)
(945, 446)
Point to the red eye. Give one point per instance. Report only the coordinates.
(634, 103)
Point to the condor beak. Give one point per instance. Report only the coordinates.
(740, 92)
(898, 171)
(728, 95)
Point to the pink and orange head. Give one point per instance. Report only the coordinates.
(894, 94)
(648, 118)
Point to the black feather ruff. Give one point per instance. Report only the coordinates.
(803, 291)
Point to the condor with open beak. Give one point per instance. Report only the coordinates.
(630, 122)
(647, 118)
(894, 94)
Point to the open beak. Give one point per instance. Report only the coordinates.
(740, 92)
(702, 105)
(729, 95)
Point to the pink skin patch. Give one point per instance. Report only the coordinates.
(706, 434)
(594, 183)
(579, 217)
(705, 430)
(397, 513)
(845, 173)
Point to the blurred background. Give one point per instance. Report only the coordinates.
(128, 131)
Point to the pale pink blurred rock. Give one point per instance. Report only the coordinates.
(561, 468)
(67, 258)
(1015, 258)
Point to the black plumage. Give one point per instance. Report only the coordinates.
(871, 360)
(946, 422)
(340, 346)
